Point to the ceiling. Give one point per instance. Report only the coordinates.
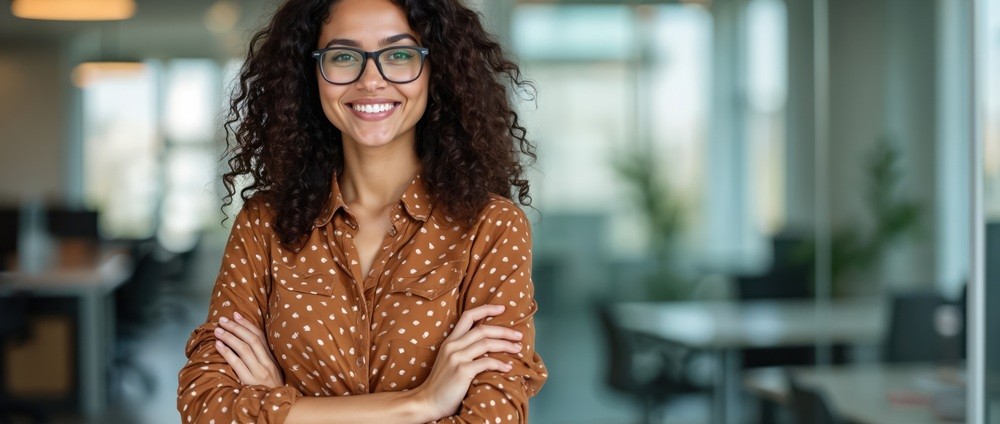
(160, 28)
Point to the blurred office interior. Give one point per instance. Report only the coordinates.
(745, 211)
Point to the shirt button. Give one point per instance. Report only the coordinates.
(392, 231)
(361, 361)
(361, 386)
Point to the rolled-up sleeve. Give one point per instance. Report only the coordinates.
(208, 389)
(503, 277)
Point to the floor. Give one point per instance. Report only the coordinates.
(569, 343)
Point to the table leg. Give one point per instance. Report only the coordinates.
(726, 399)
(734, 403)
(718, 415)
(92, 344)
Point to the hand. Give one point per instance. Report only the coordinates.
(462, 357)
(244, 347)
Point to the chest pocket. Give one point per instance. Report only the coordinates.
(429, 283)
(307, 281)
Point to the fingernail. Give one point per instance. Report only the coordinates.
(237, 315)
(499, 307)
(507, 367)
(518, 334)
(223, 319)
(219, 331)
(518, 346)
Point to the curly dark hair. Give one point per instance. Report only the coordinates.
(469, 140)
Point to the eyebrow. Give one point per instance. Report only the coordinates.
(383, 42)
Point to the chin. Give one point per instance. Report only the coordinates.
(373, 140)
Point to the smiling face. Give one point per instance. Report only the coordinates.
(371, 112)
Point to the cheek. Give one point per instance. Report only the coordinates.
(329, 100)
(418, 95)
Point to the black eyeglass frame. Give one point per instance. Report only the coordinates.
(365, 55)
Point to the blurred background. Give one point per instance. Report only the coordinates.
(745, 211)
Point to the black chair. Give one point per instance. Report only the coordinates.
(650, 372)
(789, 276)
(912, 335)
(180, 265)
(135, 311)
(14, 327)
(809, 406)
(786, 279)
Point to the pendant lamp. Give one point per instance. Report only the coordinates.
(74, 10)
(111, 63)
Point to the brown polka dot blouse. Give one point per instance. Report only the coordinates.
(335, 332)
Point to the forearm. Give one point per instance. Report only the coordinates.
(383, 407)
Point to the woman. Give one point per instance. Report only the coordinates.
(378, 270)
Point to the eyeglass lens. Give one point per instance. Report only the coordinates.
(399, 65)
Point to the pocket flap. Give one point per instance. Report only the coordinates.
(431, 283)
(318, 283)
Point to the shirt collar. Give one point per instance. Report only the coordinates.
(333, 204)
(417, 199)
(416, 202)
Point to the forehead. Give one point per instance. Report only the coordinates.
(366, 21)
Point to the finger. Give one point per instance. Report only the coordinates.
(470, 317)
(472, 369)
(485, 346)
(261, 354)
(250, 325)
(483, 332)
(234, 362)
(237, 345)
(260, 346)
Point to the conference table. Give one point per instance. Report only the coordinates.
(725, 327)
(91, 282)
(873, 393)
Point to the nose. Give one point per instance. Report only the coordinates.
(371, 79)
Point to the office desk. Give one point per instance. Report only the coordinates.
(92, 286)
(861, 393)
(725, 327)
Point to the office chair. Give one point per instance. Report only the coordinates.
(135, 311)
(809, 406)
(912, 336)
(649, 373)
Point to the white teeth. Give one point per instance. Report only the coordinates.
(370, 108)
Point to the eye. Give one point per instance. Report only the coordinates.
(342, 57)
(399, 56)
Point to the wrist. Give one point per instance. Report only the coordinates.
(419, 405)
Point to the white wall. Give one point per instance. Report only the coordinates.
(34, 108)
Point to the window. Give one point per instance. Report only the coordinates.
(150, 150)
(120, 151)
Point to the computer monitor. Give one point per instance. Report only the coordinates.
(9, 222)
(72, 223)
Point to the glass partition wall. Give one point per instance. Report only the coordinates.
(777, 192)
(985, 358)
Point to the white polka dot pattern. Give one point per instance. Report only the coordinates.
(335, 332)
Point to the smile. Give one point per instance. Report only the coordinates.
(373, 108)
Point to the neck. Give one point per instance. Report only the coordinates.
(374, 178)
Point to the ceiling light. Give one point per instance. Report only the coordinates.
(74, 10)
(110, 63)
(88, 73)
(222, 16)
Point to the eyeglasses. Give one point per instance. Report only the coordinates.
(345, 65)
